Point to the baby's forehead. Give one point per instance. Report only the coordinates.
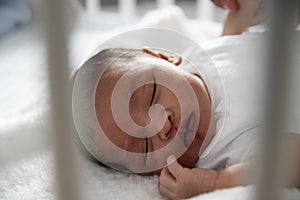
(123, 78)
(119, 67)
(137, 68)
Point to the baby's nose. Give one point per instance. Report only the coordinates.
(166, 132)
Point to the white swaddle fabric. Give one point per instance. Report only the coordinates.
(238, 108)
(240, 63)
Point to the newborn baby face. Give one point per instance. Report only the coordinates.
(150, 67)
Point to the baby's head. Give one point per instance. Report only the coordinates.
(135, 107)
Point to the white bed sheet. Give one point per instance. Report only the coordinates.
(24, 104)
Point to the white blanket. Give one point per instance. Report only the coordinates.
(31, 177)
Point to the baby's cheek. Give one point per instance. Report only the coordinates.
(168, 98)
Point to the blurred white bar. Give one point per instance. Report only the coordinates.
(205, 9)
(93, 7)
(273, 166)
(127, 8)
(56, 33)
(164, 3)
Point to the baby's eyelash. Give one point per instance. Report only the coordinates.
(153, 94)
(145, 151)
(147, 145)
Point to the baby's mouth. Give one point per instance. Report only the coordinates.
(188, 130)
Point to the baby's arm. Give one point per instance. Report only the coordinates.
(177, 182)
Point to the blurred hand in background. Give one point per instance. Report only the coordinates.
(231, 5)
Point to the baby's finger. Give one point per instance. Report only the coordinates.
(166, 179)
(231, 5)
(174, 167)
(165, 193)
(165, 172)
(217, 3)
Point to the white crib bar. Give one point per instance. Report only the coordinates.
(93, 6)
(164, 3)
(127, 8)
(205, 9)
(281, 41)
(56, 33)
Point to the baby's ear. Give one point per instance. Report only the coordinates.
(174, 59)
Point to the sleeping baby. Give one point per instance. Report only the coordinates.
(193, 118)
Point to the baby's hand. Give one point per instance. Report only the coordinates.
(250, 13)
(177, 182)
